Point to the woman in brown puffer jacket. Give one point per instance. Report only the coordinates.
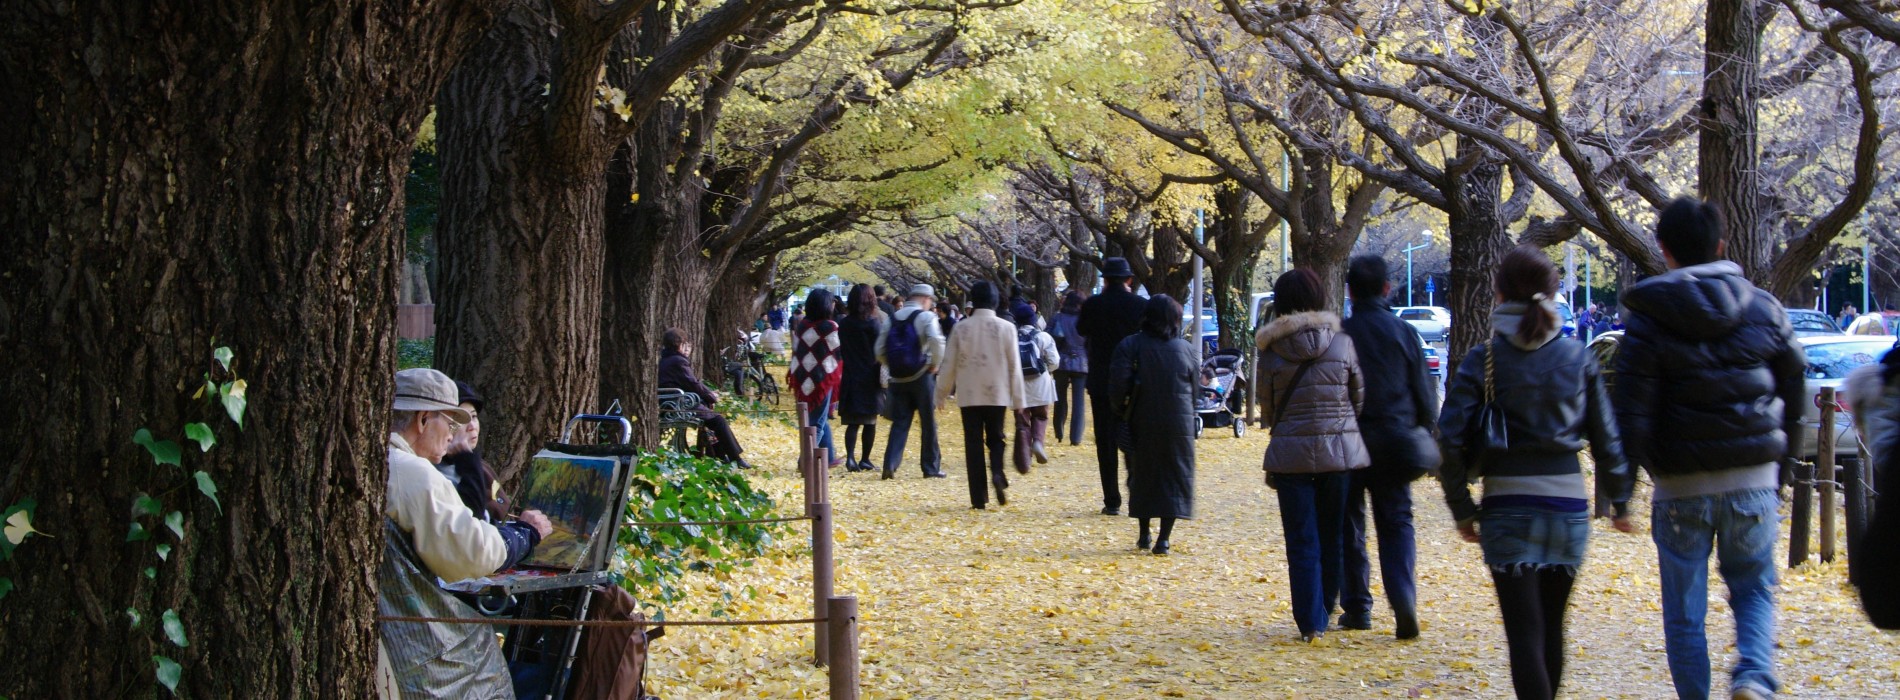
(1311, 392)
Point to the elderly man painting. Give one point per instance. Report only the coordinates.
(431, 535)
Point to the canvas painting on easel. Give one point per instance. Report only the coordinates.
(575, 492)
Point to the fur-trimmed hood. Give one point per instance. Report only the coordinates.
(1299, 337)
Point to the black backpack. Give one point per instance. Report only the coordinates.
(1026, 349)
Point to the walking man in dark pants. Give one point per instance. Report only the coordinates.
(911, 347)
(1401, 406)
(1105, 320)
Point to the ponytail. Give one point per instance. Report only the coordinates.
(1526, 275)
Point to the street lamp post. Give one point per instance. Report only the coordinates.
(1408, 268)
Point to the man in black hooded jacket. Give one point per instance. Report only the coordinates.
(1709, 394)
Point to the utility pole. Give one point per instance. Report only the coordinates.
(1867, 274)
(1408, 265)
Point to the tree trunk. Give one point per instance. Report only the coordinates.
(180, 177)
(518, 309)
(1478, 242)
(1728, 157)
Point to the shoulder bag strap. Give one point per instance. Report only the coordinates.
(1490, 370)
(1279, 408)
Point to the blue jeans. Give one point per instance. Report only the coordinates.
(1313, 514)
(1741, 527)
(821, 419)
(913, 400)
(1391, 496)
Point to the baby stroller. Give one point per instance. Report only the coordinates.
(1223, 394)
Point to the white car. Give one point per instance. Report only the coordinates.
(1830, 358)
(1433, 322)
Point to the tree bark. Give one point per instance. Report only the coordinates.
(1478, 243)
(181, 176)
(518, 313)
(1729, 157)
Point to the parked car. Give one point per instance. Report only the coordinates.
(1259, 309)
(1830, 358)
(1210, 330)
(1433, 322)
(1809, 323)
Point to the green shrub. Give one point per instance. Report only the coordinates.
(413, 353)
(675, 487)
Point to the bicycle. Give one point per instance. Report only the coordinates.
(749, 372)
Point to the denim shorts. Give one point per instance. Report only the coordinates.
(1516, 538)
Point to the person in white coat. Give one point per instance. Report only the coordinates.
(432, 536)
(982, 369)
(1039, 387)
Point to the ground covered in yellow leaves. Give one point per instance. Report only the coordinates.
(1047, 598)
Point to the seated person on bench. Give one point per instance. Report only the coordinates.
(676, 372)
(430, 535)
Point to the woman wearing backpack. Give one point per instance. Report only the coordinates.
(1072, 377)
(1037, 352)
(816, 366)
(1535, 519)
(1310, 397)
(982, 368)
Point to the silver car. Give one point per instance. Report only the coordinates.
(1830, 358)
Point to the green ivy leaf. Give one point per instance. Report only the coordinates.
(201, 433)
(137, 620)
(232, 394)
(223, 356)
(138, 533)
(163, 451)
(145, 505)
(168, 672)
(164, 552)
(175, 521)
(174, 628)
(151, 572)
(208, 488)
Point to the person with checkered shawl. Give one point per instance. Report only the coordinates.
(816, 365)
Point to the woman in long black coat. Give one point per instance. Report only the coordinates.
(863, 381)
(1152, 378)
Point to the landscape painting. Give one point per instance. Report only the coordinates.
(575, 493)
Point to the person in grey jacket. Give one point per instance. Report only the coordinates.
(1072, 378)
(1535, 519)
(1155, 371)
(1311, 394)
(912, 394)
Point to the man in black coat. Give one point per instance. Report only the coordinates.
(1710, 389)
(676, 372)
(1104, 321)
(1400, 408)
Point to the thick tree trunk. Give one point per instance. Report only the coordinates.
(179, 176)
(1728, 157)
(1478, 243)
(1080, 273)
(518, 308)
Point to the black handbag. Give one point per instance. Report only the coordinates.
(1487, 431)
(1425, 455)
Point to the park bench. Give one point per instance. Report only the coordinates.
(679, 414)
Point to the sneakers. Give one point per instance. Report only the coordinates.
(1750, 691)
(1042, 455)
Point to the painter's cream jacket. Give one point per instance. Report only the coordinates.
(450, 540)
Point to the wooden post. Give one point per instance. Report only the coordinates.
(804, 415)
(1803, 513)
(1857, 509)
(1824, 445)
(841, 615)
(822, 568)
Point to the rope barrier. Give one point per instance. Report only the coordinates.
(662, 523)
(640, 624)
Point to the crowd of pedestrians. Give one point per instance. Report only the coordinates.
(1708, 401)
